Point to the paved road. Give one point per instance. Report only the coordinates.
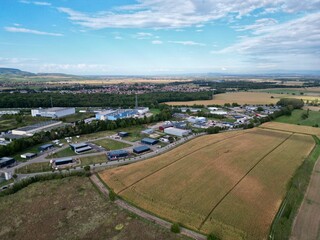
(307, 222)
(143, 214)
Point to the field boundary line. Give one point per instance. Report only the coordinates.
(287, 131)
(178, 160)
(240, 180)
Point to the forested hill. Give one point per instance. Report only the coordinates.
(32, 100)
(14, 71)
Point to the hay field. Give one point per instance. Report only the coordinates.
(255, 98)
(201, 184)
(291, 128)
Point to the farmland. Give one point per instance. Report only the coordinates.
(238, 97)
(291, 128)
(229, 184)
(70, 208)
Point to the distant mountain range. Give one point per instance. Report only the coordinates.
(18, 72)
(14, 71)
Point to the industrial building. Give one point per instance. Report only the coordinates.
(32, 129)
(113, 115)
(164, 126)
(80, 147)
(55, 112)
(149, 141)
(123, 134)
(147, 131)
(63, 161)
(6, 161)
(141, 149)
(116, 154)
(45, 147)
(142, 110)
(28, 155)
(176, 132)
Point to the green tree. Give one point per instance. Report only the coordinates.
(175, 228)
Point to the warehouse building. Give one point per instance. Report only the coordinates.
(142, 110)
(116, 154)
(141, 149)
(80, 147)
(32, 129)
(176, 132)
(113, 115)
(6, 161)
(45, 147)
(56, 112)
(123, 134)
(28, 155)
(63, 161)
(149, 141)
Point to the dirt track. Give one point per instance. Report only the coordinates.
(143, 214)
(307, 223)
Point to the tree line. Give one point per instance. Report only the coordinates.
(32, 100)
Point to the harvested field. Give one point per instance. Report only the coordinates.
(70, 208)
(238, 97)
(291, 128)
(203, 183)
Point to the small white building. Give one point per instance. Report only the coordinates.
(55, 112)
(142, 110)
(213, 108)
(221, 113)
(176, 132)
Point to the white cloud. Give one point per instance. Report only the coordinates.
(180, 13)
(42, 3)
(188, 43)
(259, 24)
(156, 42)
(32, 31)
(283, 45)
(36, 3)
(118, 37)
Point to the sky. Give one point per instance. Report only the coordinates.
(160, 36)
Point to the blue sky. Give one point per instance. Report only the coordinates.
(160, 36)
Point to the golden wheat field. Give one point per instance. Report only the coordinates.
(231, 183)
(255, 98)
(292, 128)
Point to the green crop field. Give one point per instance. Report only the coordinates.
(297, 118)
(231, 184)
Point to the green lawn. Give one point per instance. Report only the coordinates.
(295, 118)
(63, 153)
(155, 111)
(93, 159)
(34, 167)
(8, 124)
(111, 144)
(77, 117)
(134, 133)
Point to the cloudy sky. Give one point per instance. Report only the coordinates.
(160, 36)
